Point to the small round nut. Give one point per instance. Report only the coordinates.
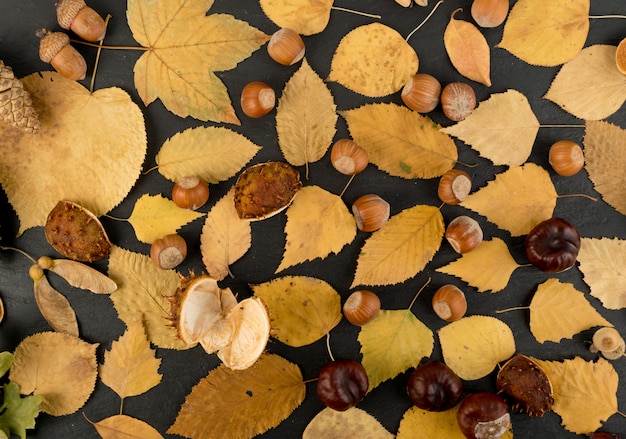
(257, 99)
(371, 212)
(286, 47)
(76, 16)
(458, 100)
(449, 303)
(168, 252)
(55, 48)
(361, 307)
(620, 56)
(421, 93)
(454, 186)
(566, 157)
(464, 234)
(348, 157)
(489, 13)
(190, 192)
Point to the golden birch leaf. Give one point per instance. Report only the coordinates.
(130, 367)
(552, 302)
(424, 152)
(125, 427)
(488, 267)
(590, 86)
(55, 307)
(526, 191)
(392, 343)
(585, 392)
(373, 60)
(79, 275)
(351, 423)
(316, 212)
(302, 309)
(142, 293)
(180, 71)
(401, 248)
(306, 17)
(255, 399)
(468, 50)
(546, 33)
(59, 367)
(503, 128)
(155, 216)
(603, 264)
(72, 157)
(474, 345)
(305, 117)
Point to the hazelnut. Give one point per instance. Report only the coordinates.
(620, 56)
(76, 16)
(371, 212)
(168, 252)
(421, 93)
(454, 186)
(190, 193)
(55, 48)
(449, 303)
(257, 99)
(464, 234)
(458, 100)
(566, 157)
(361, 307)
(286, 47)
(348, 157)
(489, 13)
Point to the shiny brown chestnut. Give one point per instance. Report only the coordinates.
(483, 415)
(433, 386)
(552, 245)
(342, 384)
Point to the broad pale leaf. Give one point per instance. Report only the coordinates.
(307, 17)
(59, 367)
(488, 267)
(419, 151)
(80, 275)
(18, 413)
(55, 307)
(125, 427)
(302, 309)
(474, 345)
(352, 423)
(603, 264)
(241, 403)
(373, 60)
(546, 33)
(401, 248)
(316, 212)
(503, 128)
(526, 191)
(392, 343)
(72, 157)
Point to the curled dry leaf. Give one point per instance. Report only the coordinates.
(307, 17)
(354, 422)
(79, 275)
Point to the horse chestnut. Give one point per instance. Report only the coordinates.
(434, 386)
(604, 435)
(483, 415)
(552, 245)
(342, 384)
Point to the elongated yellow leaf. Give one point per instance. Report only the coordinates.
(307, 17)
(603, 264)
(125, 427)
(352, 423)
(503, 128)
(55, 308)
(80, 275)
(420, 152)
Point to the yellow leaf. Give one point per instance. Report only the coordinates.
(305, 118)
(316, 212)
(401, 248)
(352, 423)
(603, 264)
(302, 309)
(392, 343)
(558, 310)
(503, 128)
(241, 403)
(72, 157)
(546, 33)
(585, 393)
(80, 275)
(178, 70)
(155, 216)
(125, 427)
(130, 367)
(212, 153)
(474, 345)
(526, 191)
(488, 267)
(373, 60)
(468, 50)
(381, 129)
(61, 368)
(307, 17)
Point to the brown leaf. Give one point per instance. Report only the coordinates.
(82, 276)
(55, 307)
(125, 427)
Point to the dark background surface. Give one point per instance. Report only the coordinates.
(19, 19)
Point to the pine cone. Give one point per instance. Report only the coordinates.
(16, 106)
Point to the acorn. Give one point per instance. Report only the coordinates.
(55, 48)
(76, 16)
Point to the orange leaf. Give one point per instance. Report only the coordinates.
(125, 427)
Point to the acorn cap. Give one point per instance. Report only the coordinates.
(51, 43)
(67, 11)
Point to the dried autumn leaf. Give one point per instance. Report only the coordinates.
(180, 71)
(125, 427)
(546, 33)
(255, 399)
(400, 249)
(307, 17)
(602, 263)
(302, 309)
(474, 345)
(72, 157)
(421, 152)
(79, 275)
(55, 307)
(503, 128)
(351, 423)
(373, 60)
(468, 50)
(59, 367)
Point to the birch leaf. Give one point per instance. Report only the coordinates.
(125, 427)
(422, 151)
(603, 264)
(352, 423)
(503, 128)
(82, 276)
(307, 17)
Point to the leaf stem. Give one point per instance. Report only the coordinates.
(352, 11)
(562, 126)
(150, 170)
(102, 46)
(328, 346)
(420, 290)
(607, 16)
(424, 21)
(22, 252)
(95, 67)
(346, 186)
(116, 218)
(578, 195)
(515, 308)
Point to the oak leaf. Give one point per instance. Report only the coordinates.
(82, 276)
(18, 413)
(373, 60)
(125, 427)
(306, 17)
(55, 307)
(352, 423)
(421, 152)
(602, 262)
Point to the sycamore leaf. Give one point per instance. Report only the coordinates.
(585, 393)
(125, 427)
(180, 71)
(546, 33)
(401, 248)
(373, 60)
(307, 17)
(305, 117)
(18, 413)
(421, 151)
(80, 275)
(474, 345)
(554, 300)
(155, 216)
(351, 423)
(72, 157)
(526, 191)
(488, 267)
(503, 128)
(316, 212)
(55, 307)
(255, 400)
(392, 343)
(130, 367)
(302, 309)
(603, 264)
(59, 367)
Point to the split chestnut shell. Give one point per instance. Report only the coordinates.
(526, 385)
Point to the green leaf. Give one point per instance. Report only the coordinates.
(6, 360)
(18, 413)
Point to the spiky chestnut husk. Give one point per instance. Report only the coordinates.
(522, 381)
